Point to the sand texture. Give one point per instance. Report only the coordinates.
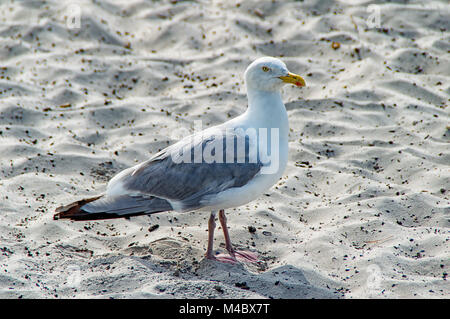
(362, 210)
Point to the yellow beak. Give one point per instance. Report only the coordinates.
(294, 79)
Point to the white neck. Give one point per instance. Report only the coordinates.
(266, 109)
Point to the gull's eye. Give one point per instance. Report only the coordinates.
(265, 69)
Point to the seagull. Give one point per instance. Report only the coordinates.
(221, 167)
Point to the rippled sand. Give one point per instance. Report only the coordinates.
(362, 210)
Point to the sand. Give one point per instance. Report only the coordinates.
(362, 210)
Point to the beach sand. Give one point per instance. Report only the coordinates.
(362, 210)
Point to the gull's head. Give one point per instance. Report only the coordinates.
(269, 74)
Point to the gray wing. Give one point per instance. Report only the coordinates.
(176, 174)
(229, 160)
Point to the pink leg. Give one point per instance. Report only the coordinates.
(211, 227)
(245, 256)
(209, 251)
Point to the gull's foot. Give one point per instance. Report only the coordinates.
(246, 256)
(236, 257)
(224, 258)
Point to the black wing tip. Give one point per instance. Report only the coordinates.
(75, 211)
(82, 215)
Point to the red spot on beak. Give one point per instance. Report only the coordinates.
(298, 84)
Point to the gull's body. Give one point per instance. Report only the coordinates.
(168, 181)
